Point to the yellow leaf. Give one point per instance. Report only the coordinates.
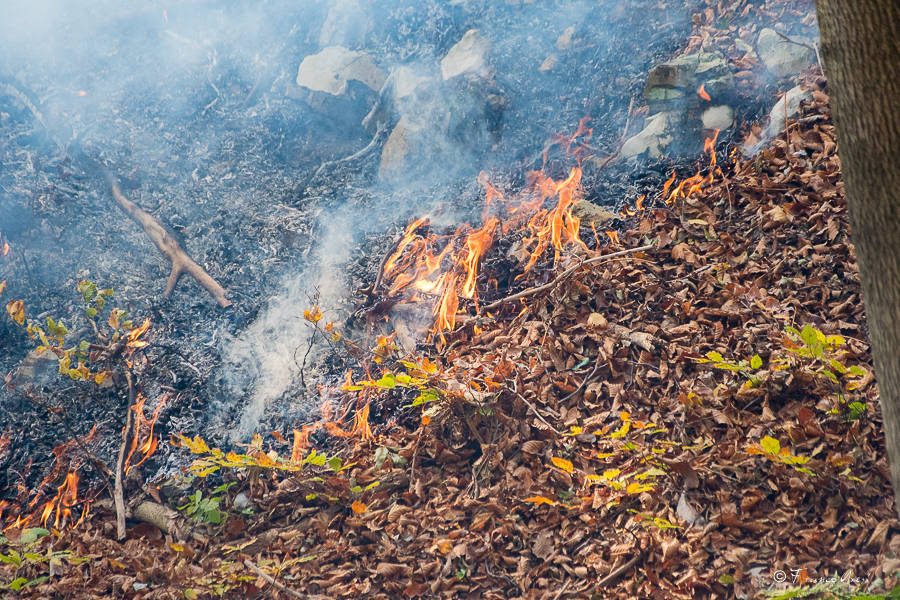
(611, 473)
(770, 445)
(565, 465)
(314, 315)
(637, 488)
(538, 500)
(625, 416)
(603, 455)
(16, 310)
(358, 507)
(177, 547)
(575, 430)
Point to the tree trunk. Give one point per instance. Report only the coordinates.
(861, 51)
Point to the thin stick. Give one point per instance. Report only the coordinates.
(536, 413)
(542, 288)
(814, 48)
(181, 262)
(271, 580)
(615, 573)
(119, 489)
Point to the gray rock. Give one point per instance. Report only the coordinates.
(330, 70)
(681, 77)
(340, 84)
(404, 143)
(789, 105)
(718, 117)
(347, 24)
(782, 57)
(653, 139)
(588, 212)
(468, 56)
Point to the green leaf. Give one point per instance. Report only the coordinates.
(16, 584)
(334, 463)
(356, 489)
(856, 370)
(387, 381)
(190, 594)
(32, 534)
(106, 293)
(311, 497)
(584, 361)
(755, 363)
(714, 356)
(84, 345)
(770, 445)
(91, 311)
(727, 579)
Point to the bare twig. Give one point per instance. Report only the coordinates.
(181, 262)
(535, 411)
(119, 489)
(618, 571)
(271, 580)
(813, 47)
(565, 274)
(379, 137)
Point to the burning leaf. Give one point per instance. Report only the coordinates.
(358, 507)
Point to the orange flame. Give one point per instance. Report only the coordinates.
(4, 248)
(702, 92)
(132, 336)
(141, 422)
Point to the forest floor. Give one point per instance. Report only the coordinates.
(649, 427)
(697, 419)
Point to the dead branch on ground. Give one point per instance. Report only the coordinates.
(181, 262)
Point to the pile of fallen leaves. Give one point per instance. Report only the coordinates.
(648, 428)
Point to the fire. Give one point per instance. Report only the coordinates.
(61, 504)
(446, 267)
(4, 247)
(132, 336)
(141, 422)
(702, 93)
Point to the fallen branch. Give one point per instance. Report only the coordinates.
(379, 137)
(565, 274)
(119, 488)
(271, 580)
(617, 572)
(181, 262)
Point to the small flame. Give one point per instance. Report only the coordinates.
(81, 93)
(4, 247)
(132, 336)
(141, 422)
(702, 92)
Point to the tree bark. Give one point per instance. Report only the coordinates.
(861, 52)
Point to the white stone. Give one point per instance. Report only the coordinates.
(331, 69)
(468, 55)
(718, 117)
(789, 106)
(782, 57)
(655, 136)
